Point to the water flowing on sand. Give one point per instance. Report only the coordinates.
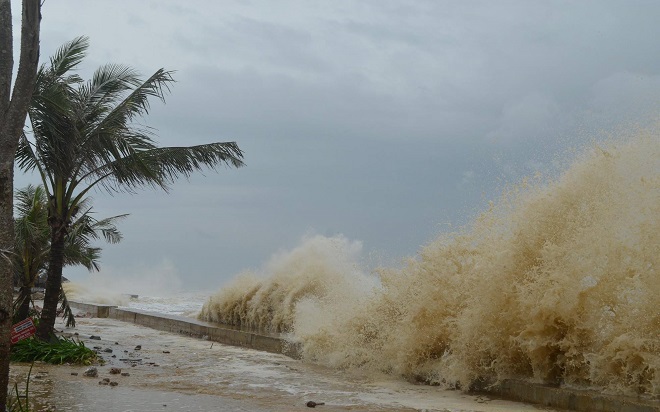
(557, 282)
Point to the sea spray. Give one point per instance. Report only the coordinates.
(115, 286)
(79, 291)
(319, 268)
(557, 282)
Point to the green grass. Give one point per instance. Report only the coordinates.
(60, 351)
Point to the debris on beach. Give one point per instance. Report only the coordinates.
(312, 404)
(91, 372)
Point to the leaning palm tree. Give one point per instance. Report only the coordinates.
(32, 244)
(86, 135)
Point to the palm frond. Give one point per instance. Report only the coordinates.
(109, 83)
(28, 160)
(68, 56)
(109, 132)
(108, 229)
(31, 233)
(65, 308)
(161, 166)
(77, 253)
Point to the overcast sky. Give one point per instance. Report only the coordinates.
(383, 121)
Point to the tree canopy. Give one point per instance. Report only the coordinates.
(86, 135)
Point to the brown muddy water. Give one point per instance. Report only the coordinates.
(178, 373)
(556, 283)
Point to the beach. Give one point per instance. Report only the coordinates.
(169, 372)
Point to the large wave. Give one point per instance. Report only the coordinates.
(557, 282)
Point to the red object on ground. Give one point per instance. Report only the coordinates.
(22, 330)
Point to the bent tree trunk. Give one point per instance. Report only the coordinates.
(53, 283)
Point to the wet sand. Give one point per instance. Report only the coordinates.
(176, 373)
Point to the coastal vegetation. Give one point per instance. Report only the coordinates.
(84, 135)
(58, 351)
(32, 246)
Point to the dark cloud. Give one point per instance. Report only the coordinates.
(381, 120)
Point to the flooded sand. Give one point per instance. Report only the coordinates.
(178, 373)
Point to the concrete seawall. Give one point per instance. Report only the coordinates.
(215, 332)
(577, 400)
(571, 399)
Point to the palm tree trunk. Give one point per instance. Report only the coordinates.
(24, 296)
(53, 283)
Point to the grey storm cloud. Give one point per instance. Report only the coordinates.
(380, 120)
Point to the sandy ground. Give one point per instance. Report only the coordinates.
(168, 372)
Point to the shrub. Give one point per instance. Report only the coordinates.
(59, 351)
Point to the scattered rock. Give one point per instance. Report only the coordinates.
(115, 371)
(96, 347)
(125, 374)
(113, 356)
(103, 383)
(116, 343)
(166, 351)
(74, 373)
(138, 347)
(75, 333)
(312, 404)
(113, 384)
(95, 337)
(106, 380)
(107, 350)
(92, 372)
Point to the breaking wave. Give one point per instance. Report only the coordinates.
(557, 282)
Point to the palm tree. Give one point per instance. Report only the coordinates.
(32, 236)
(85, 136)
(32, 244)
